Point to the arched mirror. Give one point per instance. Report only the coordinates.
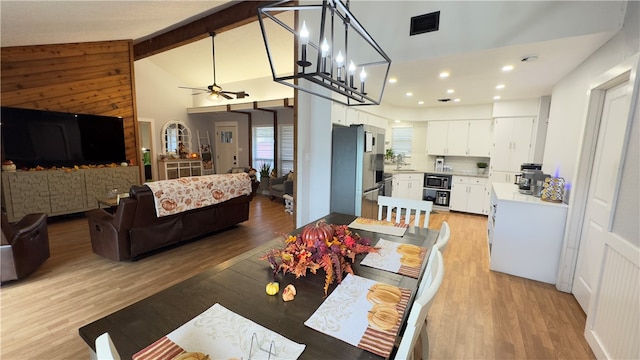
(176, 138)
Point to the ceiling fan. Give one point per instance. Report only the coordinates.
(216, 93)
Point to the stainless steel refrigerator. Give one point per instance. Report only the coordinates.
(357, 169)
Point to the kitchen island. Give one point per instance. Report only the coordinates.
(525, 234)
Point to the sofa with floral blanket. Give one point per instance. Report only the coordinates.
(168, 212)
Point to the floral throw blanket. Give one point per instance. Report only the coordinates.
(178, 195)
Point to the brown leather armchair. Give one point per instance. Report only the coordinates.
(25, 246)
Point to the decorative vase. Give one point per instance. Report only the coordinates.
(263, 188)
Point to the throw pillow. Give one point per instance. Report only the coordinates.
(290, 177)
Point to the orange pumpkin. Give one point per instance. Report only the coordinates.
(320, 230)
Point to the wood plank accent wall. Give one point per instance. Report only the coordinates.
(90, 78)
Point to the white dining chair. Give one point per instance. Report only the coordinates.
(401, 206)
(105, 350)
(443, 236)
(430, 271)
(416, 321)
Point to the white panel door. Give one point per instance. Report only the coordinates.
(457, 138)
(226, 147)
(598, 215)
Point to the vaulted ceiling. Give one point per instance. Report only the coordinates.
(475, 39)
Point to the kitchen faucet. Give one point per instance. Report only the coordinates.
(399, 160)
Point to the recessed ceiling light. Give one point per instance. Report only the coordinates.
(497, 97)
(444, 74)
(507, 68)
(450, 91)
(397, 121)
(456, 100)
(500, 86)
(420, 102)
(393, 80)
(409, 93)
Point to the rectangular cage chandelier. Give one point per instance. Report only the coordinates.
(334, 52)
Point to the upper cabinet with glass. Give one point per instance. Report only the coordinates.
(176, 138)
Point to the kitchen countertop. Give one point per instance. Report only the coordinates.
(509, 192)
(456, 173)
(473, 173)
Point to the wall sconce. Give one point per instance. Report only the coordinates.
(327, 38)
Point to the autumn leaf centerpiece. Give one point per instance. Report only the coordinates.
(319, 246)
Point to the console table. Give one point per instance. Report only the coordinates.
(58, 192)
(177, 168)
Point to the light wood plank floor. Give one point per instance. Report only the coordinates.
(477, 314)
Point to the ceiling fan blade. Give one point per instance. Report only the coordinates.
(222, 93)
(190, 88)
(238, 94)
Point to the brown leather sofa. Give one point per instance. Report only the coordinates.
(24, 247)
(134, 229)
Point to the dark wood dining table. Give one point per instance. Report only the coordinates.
(239, 285)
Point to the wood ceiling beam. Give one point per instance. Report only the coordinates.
(221, 21)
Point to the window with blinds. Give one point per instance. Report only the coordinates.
(401, 140)
(285, 149)
(263, 146)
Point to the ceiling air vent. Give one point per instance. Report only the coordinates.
(425, 23)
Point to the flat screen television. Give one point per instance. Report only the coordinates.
(49, 138)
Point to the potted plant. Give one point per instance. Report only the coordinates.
(388, 155)
(482, 167)
(265, 169)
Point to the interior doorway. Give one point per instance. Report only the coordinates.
(606, 279)
(226, 146)
(148, 168)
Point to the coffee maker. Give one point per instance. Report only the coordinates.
(531, 173)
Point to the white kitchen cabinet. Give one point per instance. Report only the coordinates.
(378, 121)
(511, 143)
(437, 137)
(480, 139)
(459, 138)
(503, 176)
(353, 116)
(525, 234)
(407, 185)
(468, 194)
(338, 114)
